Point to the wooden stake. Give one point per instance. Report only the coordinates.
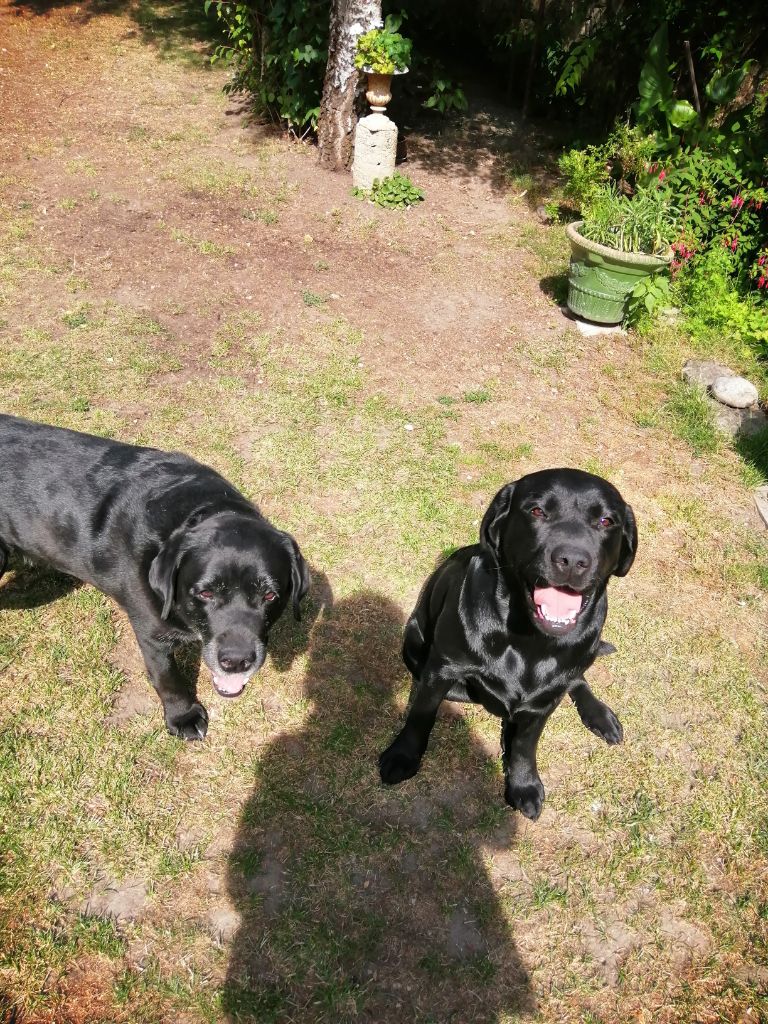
(692, 73)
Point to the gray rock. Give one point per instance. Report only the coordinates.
(737, 392)
(703, 372)
(465, 940)
(737, 421)
(590, 330)
(223, 922)
(761, 500)
(121, 901)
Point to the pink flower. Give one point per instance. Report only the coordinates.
(761, 282)
(736, 203)
(662, 175)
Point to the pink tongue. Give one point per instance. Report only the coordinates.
(230, 683)
(560, 603)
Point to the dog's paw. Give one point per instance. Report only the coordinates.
(191, 725)
(528, 799)
(603, 723)
(397, 765)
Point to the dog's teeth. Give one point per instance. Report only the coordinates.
(554, 619)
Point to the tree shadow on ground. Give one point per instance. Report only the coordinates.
(362, 902)
(177, 28)
(754, 451)
(555, 287)
(488, 142)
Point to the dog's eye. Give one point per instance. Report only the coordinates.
(205, 595)
(270, 595)
(538, 512)
(606, 521)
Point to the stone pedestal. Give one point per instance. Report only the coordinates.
(375, 150)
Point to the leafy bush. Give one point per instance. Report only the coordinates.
(621, 159)
(445, 95)
(713, 306)
(383, 50)
(648, 296)
(278, 53)
(393, 192)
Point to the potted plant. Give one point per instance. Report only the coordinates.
(622, 240)
(381, 53)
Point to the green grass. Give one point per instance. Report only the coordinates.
(312, 298)
(692, 419)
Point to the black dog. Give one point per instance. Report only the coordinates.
(513, 622)
(169, 539)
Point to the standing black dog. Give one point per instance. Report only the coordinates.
(513, 622)
(169, 539)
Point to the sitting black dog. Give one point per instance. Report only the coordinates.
(174, 543)
(513, 622)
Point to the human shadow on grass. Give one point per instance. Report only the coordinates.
(356, 900)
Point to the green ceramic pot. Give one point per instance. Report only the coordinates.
(601, 279)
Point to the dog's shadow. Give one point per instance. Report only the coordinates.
(24, 586)
(357, 901)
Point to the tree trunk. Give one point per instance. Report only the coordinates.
(336, 124)
(534, 58)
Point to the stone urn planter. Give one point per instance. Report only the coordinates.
(601, 279)
(379, 91)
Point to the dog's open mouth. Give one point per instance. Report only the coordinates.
(557, 607)
(230, 684)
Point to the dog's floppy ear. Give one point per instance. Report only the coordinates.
(300, 578)
(494, 520)
(162, 571)
(628, 543)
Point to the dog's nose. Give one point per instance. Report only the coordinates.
(236, 661)
(572, 560)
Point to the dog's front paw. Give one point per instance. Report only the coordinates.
(192, 724)
(528, 799)
(603, 723)
(396, 765)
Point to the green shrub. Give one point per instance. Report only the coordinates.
(621, 159)
(445, 95)
(714, 306)
(278, 53)
(396, 191)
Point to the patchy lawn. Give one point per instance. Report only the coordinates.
(171, 275)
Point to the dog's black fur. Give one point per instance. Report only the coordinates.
(169, 539)
(477, 634)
